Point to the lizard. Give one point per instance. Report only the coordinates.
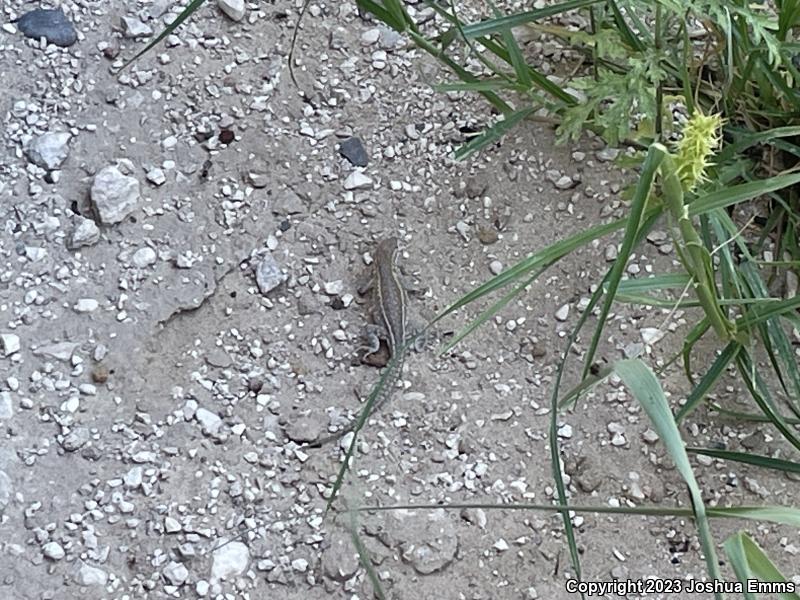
(391, 316)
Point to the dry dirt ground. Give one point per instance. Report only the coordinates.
(156, 405)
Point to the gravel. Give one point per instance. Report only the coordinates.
(183, 244)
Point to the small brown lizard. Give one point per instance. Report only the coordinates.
(391, 308)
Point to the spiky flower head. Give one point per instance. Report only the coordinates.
(700, 139)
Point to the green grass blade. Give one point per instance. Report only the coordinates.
(765, 462)
(193, 6)
(494, 133)
(514, 53)
(709, 379)
(536, 260)
(386, 378)
(749, 562)
(539, 79)
(626, 32)
(497, 25)
(697, 332)
(782, 515)
(364, 556)
(585, 385)
(740, 193)
(744, 139)
(491, 311)
(633, 231)
(462, 73)
(760, 393)
(644, 386)
(477, 86)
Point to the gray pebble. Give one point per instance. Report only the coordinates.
(230, 560)
(233, 9)
(9, 343)
(49, 150)
(132, 27)
(339, 560)
(5, 490)
(84, 233)
(357, 181)
(52, 25)
(53, 551)
(268, 274)
(114, 195)
(562, 313)
(75, 439)
(210, 421)
(58, 351)
(176, 573)
(90, 576)
(6, 406)
(144, 257)
(353, 150)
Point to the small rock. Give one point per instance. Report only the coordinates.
(49, 150)
(233, 9)
(340, 560)
(86, 305)
(84, 233)
(564, 183)
(230, 560)
(633, 349)
(476, 186)
(75, 439)
(607, 154)
(6, 406)
(210, 421)
(52, 25)
(300, 565)
(170, 525)
(144, 257)
(132, 27)
(219, 358)
(268, 274)
(5, 490)
(53, 551)
(651, 335)
(88, 575)
(100, 374)
(176, 573)
(156, 176)
(562, 313)
(334, 288)
(476, 516)
(114, 195)
(487, 235)
(58, 351)
(649, 436)
(370, 36)
(357, 181)
(353, 150)
(10, 343)
(501, 545)
(304, 429)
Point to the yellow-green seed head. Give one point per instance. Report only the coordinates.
(700, 139)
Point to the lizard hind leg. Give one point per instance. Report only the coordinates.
(373, 334)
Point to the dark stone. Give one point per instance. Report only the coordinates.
(226, 136)
(53, 25)
(353, 150)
